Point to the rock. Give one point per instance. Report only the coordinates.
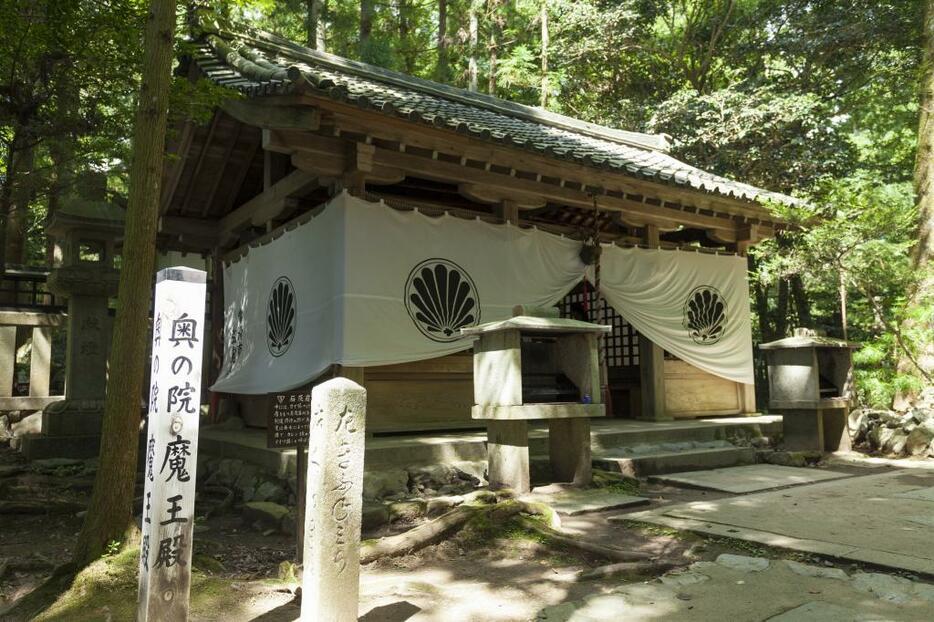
(473, 472)
(288, 523)
(47, 465)
(896, 444)
(268, 514)
(924, 591)
(6, 431)
(406, 510)
(880, 436)
(431, 476)
(28, 425)
(228, 470)
(783, 458)
(855, 421)
(885, 587)
(920, 438)
(375, 515)
(207, 564)
(247, 481)
(686, 577)
(270, 491)
(230, 423)
(384, 483)
(743, 563)
(760, 442)
(806, 570)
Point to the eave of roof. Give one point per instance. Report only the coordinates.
(257, 63)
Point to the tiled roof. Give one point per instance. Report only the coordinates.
(257, 63)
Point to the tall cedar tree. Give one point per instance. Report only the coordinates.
(924, 187)
(110, 516)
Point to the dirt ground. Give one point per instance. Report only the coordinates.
(488, 572)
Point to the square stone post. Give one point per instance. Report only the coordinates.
(569, 450)
(40, 361)
(334, 502)
(508, 454)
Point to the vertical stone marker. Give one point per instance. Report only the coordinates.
(171, 453)
(334, 502)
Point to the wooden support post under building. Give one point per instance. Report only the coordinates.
(509, 211)
(652, 362)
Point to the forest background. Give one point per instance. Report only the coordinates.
(815, 98)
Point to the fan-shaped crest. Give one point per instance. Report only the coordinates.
(705, 315)
(441, 298)
(280, 317)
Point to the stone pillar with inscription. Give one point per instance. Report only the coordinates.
(171, 453)
(85, 227)
(334, 502)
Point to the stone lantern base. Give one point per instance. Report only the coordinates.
(70, 429)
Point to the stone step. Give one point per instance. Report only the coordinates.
(645, 464)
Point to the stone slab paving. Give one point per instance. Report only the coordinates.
(866, 519)
(746, 479)
(754, 589)
(576, 501)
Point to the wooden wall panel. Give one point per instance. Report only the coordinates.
(690, 392)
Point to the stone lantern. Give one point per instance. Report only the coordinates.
(85, 228)
(811, 384)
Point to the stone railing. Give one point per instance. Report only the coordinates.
(40, 364)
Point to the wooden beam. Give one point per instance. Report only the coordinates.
(269, 204)
(261, 114)
(380, 126)
(275, 167)
(486, 194)
(206, 208)
(176, 164)
(196, 173)
(651, 236)
(241, 176)
(509, 211)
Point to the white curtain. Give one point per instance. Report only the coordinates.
(370, 285)
(694, 305)
(364, 284)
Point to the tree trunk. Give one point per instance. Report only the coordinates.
(442, 41)
(781, 310)
(802, 304)
(366, 30)
(406, 49)
(110, 513)
(544, 101)
(496, 32)
(22, 192)
(314, 29)
(762, 310)
(474, 32)
(923, 295)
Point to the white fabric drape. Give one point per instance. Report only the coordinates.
(363, 284)
(694, 305)
(355, 269)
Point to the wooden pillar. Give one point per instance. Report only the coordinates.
(40, 361)
(652, 375)
(747, 393)
(509, 211)
(275, 167)
(652, 361)
(7, 359)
